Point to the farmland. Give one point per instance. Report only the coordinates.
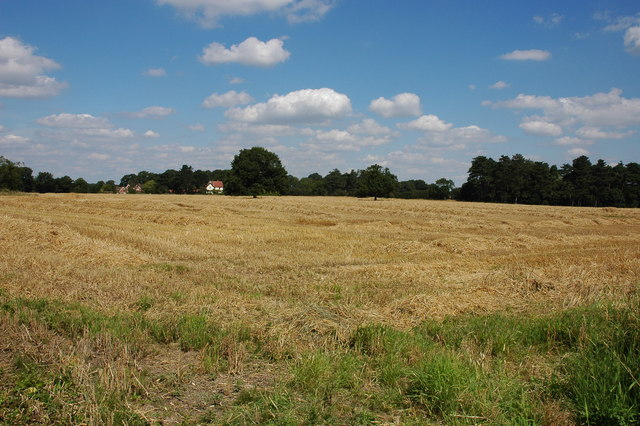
(159, 308)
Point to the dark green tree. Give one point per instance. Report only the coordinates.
(444, 188)
(108, 187)
(256, 171)
(312, 185)
(45, 182)
(64, 184)
(335, 183)
(376, 182)
(80, 185)
(10, 175)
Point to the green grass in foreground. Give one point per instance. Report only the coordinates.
(493, 369)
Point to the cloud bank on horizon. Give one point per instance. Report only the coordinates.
(316, 81)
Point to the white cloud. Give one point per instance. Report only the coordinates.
(236, 80)
(12, 140)
(307, 105)
(74, 127)
(151, 134)
(307, 10)
(22, 72)
(541, 128)
(196, 127)
(629, 24)
(343, 140)
(598, 110)
(402, 105)
(2, 128)
(229, 99)
(632, 40)
(371, 127)
(208, 12)
(619, 23)
(527, 55)
(551, 21)
(155, 72)
(572, 140)
(597, 133)
(76, 121)
(267, 130)
(578, 151)
(152, 112)
(440, 134)
(251, 52)
(427, 123)
(499, 85)
(470, 133)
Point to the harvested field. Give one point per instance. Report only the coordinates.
(280, 279)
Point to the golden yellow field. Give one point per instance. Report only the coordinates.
(301, 273)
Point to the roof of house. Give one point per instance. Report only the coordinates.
(217, 184)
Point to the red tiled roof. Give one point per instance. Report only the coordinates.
(217, 184)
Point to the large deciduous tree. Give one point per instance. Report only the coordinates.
(256, 171)
(376, 182)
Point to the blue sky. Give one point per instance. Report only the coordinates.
(99, 89)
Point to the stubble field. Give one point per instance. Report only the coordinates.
(142, 309)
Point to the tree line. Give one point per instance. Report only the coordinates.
(256, 171)
(519, 180)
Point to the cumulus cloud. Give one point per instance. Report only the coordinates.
(629, 24)
(75, 121)
(74, 126)
(344, 140)
(267, 130)
(22, 74)
(236, 80)
(370, 127)
(402, 105)
(229, 99)
(632, 40)
(598, 110)
(438, 133)
(12, 140)
(252, 52)
(208, 12)
(152, 112)
(527, 55)
(597, 133)
(301, 106)
(150, 134)
(155, 72)
(541, 128)
(572, 140)
(427, 123)
(499, 85)
(619, 23)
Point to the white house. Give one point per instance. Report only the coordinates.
(214, 186)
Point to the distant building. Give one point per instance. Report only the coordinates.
(214, 186)
(126, 189)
